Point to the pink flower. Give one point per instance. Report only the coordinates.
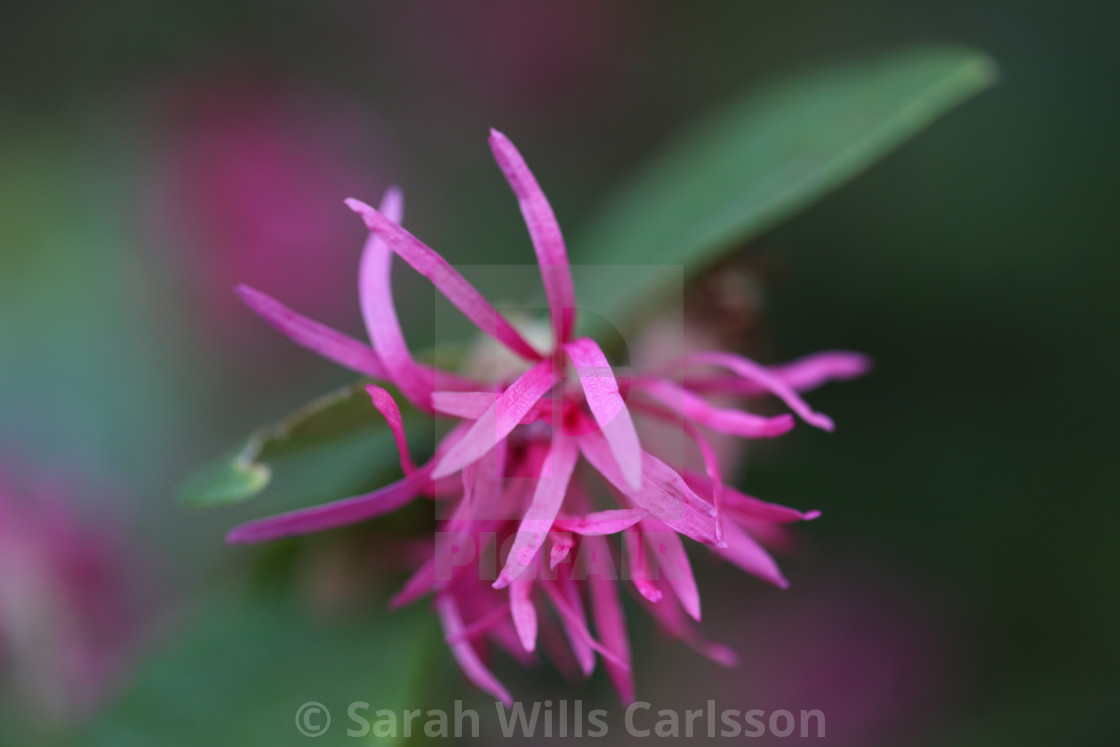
(526, 468)
(239, 192)
(70, 607)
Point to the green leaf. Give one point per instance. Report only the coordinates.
(241, 673)
(318, 431)
(761, 159)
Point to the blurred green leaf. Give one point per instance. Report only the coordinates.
(336, 417)
(764, 157)
(240, 675)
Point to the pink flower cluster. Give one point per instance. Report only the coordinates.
(534, 458)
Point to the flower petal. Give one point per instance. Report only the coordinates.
(747, 506)
(664, 493)
(464, 652)
(637, 558)
(673, 561)
(562, 544)
(803, 374)
(599, 523)
(671, 617)
(523, 612)
(745, 552)
(387, 406)
(446, 279)
(549, 494)
(319, 338)
(764, 377)
(332, 515)
(606, 611)
(720, 419)
(375, 293)
(545, 234)
(500, 418)
(575, 623)
(607, 406)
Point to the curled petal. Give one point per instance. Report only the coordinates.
(375, 292)
(764, 377)
(446, 279)
(803, 374)
(523, 612)
(544, 231)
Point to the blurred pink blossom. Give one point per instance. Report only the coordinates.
(248, 170)
(70, 612)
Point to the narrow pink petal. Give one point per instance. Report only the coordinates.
(375, 293)
(332, 515)
(674, 563)
(575, 623)
(765, 378)
(747, 506)
(342, 349)
(523, 612)
(552, 640)
(610, 521)
(712, 470)
(446, 279)
(465, 654)
(745, 552)
(723, 420)
(499, 419)
(670, 616)
(504, 635)
(482, 625)
(664, 493)
(549, 494)
(607, 406)
(420, 583)
(803, 374)
(472, 405)
(606, 611)
(484, 489)
(387, 406)
(545, 234)
(637, 558)
(813, 370)
(466, 405)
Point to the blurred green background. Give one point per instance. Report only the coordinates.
(960, 588)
